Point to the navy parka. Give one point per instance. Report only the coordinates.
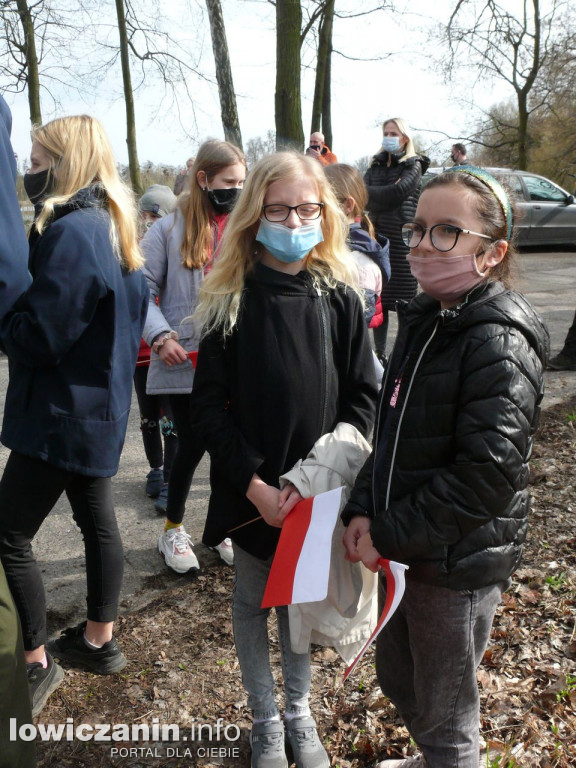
(72, 340)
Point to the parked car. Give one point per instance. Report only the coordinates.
(548, 211)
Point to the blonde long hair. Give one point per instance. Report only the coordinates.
(347, 183)
(81, 156)
(404, 128)
(328, 262)
(213, 156)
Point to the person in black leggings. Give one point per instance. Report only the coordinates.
(71, 340)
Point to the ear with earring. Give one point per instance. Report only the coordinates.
(202, 180)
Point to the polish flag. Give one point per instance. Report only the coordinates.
(395, 585)
(301, 565)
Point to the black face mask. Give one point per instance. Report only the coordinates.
(39, 185)
(223, 200)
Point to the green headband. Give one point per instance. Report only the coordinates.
(494, 186)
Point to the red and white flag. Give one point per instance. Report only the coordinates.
(395, 585)
(301, 565)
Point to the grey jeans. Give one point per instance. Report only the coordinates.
(426, 662)
(251, 637)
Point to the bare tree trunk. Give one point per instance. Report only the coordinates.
(523, 93)
(321, 118)
(327, 106)
(326, 32)
(287, 101)
(226, 92)
(133, 163)
(32, 78)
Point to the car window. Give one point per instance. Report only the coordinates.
(543, 190)
(513, 183)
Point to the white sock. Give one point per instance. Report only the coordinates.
(275, 719)
(293, 715)
(91, 645)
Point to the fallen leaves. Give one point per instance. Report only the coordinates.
(183, 668)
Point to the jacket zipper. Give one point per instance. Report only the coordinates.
(324, 334)
(422, 351)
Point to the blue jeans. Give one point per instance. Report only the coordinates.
(426, 662)
(251, 637)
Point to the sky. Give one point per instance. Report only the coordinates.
(364, 93)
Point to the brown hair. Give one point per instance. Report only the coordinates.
(213, 156)
(347, 182)
(489, 209)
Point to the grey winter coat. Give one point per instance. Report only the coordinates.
(175, 288)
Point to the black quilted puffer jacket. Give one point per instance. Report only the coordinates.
(446, 484)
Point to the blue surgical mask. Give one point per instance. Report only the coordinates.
(287, 244)
(391, 143)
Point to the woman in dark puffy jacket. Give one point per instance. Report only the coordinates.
(445, 489)
(393, 182)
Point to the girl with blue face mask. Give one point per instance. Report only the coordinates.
(284, 357)
(393, 182)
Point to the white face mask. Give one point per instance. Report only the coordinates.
(287, 244)
(391, 143)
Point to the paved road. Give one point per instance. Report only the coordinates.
(549, 280)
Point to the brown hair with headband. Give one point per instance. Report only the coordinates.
(491, 213)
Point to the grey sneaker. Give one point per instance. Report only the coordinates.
(42, 682)
(306, 747)
(267, 742)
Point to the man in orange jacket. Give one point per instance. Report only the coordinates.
(319, 150)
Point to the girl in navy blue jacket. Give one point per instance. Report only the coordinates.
(72, 340)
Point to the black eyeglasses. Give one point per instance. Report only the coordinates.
(304, 211)
(443, 236)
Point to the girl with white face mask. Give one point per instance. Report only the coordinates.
(393, 183)
(445, 489)
(283, 359)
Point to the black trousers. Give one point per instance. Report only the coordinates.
(190, 451)
(29, 490)
(152, 408)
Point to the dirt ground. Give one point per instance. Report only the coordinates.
(183, 668)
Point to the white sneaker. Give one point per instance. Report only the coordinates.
(176, 547)
(225, 551)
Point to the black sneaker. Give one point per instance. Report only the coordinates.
(42, 682)
(562, 362)
(71, 647)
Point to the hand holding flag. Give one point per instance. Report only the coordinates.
(395, 585)
(301, 565)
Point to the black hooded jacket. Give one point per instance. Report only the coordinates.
(446, 484)
(297, 363)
